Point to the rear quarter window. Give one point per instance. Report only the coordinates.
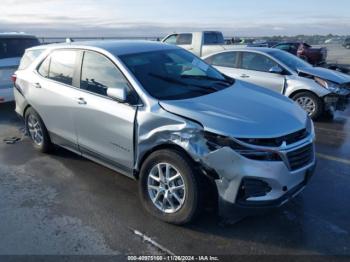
(44, 67)
(28, 58)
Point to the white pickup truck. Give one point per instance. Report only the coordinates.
(200, 43)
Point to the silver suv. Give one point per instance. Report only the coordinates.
(161, 115)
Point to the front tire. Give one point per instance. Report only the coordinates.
(311, 103)
(169, 188)
(37, 131)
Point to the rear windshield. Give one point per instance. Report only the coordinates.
(15, 47)
(213, 38)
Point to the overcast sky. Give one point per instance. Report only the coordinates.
(159, 17)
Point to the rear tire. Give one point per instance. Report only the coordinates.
(37, 131)
(180, 206)
(311, 103)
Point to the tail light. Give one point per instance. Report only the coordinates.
(14, 78)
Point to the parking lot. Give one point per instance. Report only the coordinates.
(337, 54)
(64, 204)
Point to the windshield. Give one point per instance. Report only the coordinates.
(290, 60)
(175, 74)
(15, 47)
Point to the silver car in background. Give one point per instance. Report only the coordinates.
(159, 114)
(317, 90)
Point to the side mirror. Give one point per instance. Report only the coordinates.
(276, 70)
(119, 93)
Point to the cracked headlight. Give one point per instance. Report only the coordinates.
(216, 142)
(331, 86)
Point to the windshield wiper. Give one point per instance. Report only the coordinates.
(207, 78)
(169, 79)
(176, 81)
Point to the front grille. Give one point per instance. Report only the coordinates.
(300, 157)
(276, 142)
(296, 136)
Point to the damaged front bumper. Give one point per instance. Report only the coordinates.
(252, 184)
(335, 102)
(240, 175)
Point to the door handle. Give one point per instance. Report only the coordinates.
(245, 76)
(37, 85)
(81, 101)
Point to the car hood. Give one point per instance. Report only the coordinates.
(242, 111)
(325, 74)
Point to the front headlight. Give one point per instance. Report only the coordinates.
(331, 86)
(215, 142)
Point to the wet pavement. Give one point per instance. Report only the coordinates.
(64, 204)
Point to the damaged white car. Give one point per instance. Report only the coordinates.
(164, 117)
(317, 90)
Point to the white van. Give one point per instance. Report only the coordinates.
(12, 47)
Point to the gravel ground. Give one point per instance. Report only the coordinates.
(62, 204)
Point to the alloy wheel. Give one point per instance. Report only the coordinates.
(166, 188)
(307, 103)
(35, 130)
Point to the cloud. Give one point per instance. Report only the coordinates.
(278, 28)
(66, 26)
(89, 18)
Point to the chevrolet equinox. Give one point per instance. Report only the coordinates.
(164, 117)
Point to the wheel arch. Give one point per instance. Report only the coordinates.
(211, 174)
(170, 146)
(26, 109)
(320, 103)
(291, 95)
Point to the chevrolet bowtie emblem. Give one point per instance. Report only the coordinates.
(284, 145)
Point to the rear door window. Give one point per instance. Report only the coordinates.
(256, 62)
(227, 59)
(62, 66)
(15, 47)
